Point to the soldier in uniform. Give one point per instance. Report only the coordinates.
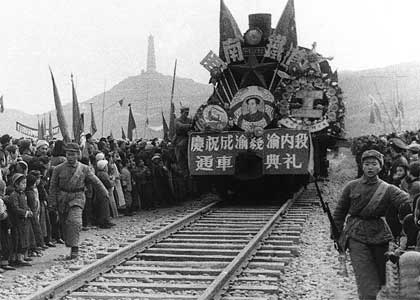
(366, 233)
(183, 125)
(67, 194)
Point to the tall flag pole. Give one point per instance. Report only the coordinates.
(60, 113)
(165, 128)
(93, 128)
(123, 136)
(131, 123)
(77, 129)
(172, 108)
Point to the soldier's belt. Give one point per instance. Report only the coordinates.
(72, 191)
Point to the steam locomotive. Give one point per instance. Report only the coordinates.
(275, 109)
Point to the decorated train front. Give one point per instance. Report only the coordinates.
(273, 101)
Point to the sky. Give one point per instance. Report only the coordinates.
(104, 41)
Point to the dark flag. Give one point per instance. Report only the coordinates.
(93, 128)
(60, 113)
(82, 122)
(131, 123)
(172, 116)
(165, 129)
(77, 128)
(123, 134)
(287, 25)
(228, 27)
(1, 104)
(120, 102)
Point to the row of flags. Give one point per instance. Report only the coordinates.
(78, 118)
(396, 112)
(43, 131)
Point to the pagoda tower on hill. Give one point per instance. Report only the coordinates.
(151, 58)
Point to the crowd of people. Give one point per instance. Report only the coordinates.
(380, 207)
(51, 190)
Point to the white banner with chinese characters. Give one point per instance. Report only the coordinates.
(283, 151)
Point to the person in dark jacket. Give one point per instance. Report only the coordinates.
(366, 233)
(20, 214)
(67, 194)
(103, 205)
(32, 196)
(4, 234)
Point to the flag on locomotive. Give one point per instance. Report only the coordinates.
(271, 97)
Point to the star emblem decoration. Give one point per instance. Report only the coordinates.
(253, 68)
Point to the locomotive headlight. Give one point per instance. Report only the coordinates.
(258, 131)
(253, 36)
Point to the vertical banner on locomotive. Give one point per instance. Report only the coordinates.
(283, 151)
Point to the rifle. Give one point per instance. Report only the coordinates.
(334, 230)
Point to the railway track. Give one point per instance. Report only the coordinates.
(216, 252)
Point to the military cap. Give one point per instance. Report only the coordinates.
(373, 154)
(397, 143)
(17, 177)
(73, 147)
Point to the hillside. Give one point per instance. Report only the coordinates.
(404, 78)
(148, 92)
(8, 121)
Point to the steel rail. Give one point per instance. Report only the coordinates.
(218, 285)
(72, 282)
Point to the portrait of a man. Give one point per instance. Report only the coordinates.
(253, 113)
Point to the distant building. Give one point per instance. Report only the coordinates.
(151, 58)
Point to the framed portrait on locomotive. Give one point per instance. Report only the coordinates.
(275, 107)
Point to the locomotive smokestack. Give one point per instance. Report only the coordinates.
(262, 22)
